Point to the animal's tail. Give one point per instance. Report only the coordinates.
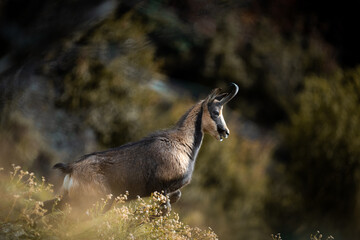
(64, 167)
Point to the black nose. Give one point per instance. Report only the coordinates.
(223, 131)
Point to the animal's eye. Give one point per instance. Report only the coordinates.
(216, 113)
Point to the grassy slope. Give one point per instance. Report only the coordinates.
(21, 216)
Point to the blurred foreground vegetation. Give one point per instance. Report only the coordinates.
(91, 75)
(22, 216)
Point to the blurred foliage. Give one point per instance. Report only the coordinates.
(109, 85)
(317, 236)
(320, 156)
(223, 61)
(22, 144)
(237, 45)
(22, 216)
(268, 67)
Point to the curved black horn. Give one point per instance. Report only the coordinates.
(232, 94)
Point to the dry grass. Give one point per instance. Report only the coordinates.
(22, 215)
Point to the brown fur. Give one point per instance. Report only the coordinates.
(209, 124)
(163, 161)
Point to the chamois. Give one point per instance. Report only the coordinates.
(163, 161)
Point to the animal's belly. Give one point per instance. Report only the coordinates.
(177, 180)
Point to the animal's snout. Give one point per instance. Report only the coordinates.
(226, 133)
(223, 132)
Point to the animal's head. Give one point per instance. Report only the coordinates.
(213, 120)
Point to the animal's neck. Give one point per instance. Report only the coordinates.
(190, 129)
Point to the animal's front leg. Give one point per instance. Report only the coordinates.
(174, 196)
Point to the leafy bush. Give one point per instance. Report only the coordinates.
(320, 159)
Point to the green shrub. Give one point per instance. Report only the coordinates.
(320, 167)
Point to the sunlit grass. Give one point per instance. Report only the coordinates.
(22, 215)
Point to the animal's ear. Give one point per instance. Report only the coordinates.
(221, 96)
(213, 95)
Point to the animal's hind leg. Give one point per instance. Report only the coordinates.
(55, 203)
(108, 204)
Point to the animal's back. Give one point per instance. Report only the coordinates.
(151, 164)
